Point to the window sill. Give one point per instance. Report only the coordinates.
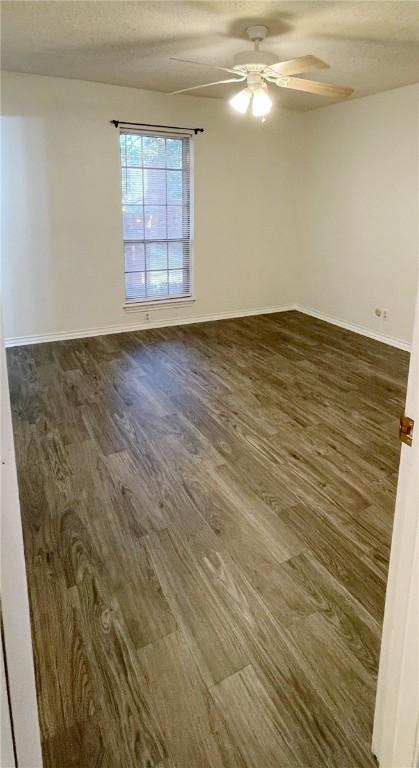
(146, 306)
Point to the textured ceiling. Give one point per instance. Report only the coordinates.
(371, 46)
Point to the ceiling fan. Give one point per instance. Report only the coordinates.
(261, 67)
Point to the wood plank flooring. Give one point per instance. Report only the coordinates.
(207, 514)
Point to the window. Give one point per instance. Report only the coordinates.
(156, 213)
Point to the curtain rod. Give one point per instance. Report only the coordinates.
(116, 123)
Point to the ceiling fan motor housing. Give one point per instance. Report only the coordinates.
(259, 59)
(255, 60)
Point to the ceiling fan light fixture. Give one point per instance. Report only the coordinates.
(262, 102)
(241, 100)
(261, 67)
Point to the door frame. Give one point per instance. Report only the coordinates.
(395, 736)
(14, 597)
(7, 744)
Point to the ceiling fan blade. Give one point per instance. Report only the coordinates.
(206, 85)
(202, 64)
(297, 66)
(313, 86)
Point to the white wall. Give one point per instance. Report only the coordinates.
(360, 226)
(317, 209)
(62, 254)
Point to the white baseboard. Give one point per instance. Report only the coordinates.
(19, 341)
(391, 340)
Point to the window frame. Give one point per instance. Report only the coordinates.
(147, 304)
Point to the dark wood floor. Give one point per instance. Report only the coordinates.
(207, 514)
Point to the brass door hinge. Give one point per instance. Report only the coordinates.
(406, 430)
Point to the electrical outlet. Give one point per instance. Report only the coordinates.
(147, 317)
(381, 313)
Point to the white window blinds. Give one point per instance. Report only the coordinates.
(156, 213)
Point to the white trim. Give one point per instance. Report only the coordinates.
(140, 306)
(391, 340)
(16, 341)
(14, 596)
(395, 732)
